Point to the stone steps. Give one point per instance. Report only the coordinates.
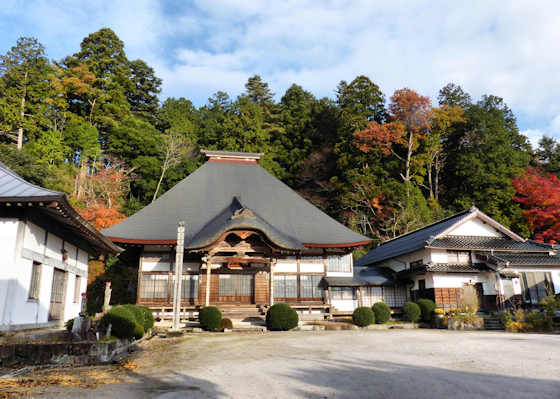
(493, 324)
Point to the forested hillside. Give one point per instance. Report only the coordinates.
(92, 125)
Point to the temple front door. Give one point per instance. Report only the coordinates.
(236, 288)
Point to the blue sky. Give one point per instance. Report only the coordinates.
(200, 47)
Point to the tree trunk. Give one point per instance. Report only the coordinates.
(80, 180)
(408, 158)
(22, 113)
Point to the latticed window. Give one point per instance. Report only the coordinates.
(227, 285)
(394, 296)
(285, 286)
(155, 286)
(310, 286)
(339, 263)
(35, 283)
(372, 295)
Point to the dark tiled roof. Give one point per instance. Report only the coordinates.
(412, 241)
(201, 197)
(478, 242)
(446, 268)
(524, 259)
(13, 187)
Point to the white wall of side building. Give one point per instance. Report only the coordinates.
(22, 243)
(475, 227)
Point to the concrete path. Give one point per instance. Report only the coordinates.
(343, 364)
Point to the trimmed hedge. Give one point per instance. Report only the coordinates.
(136, 312)
(148, 317)
(427, 307)
(210, 318)
(122, 320)
(363, 316)
(281, 317)
(226, 323)
(411, 312)
(382, 312)
(138, 331)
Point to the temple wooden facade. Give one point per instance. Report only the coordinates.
(250, 241)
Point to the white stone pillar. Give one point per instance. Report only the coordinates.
(208, 270)
(178, 275)
(271, 288)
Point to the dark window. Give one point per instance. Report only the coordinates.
(536, 286)
(189, 286)
(35, 284)
(421, 285)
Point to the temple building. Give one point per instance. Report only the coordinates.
(250, 241)
(44, 250)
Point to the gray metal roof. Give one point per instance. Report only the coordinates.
(204, 195)
(363, 276)
(410, 242)
(13, 187)
(496, 243)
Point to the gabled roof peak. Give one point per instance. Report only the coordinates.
(226, 156)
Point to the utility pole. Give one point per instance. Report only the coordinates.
(180, 248)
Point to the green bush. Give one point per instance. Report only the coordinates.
(148, 317)
(122, 322)
(69, 324)
(138, 331)
(136, 312)
(411, 312)
(382, 312)
(363, 316)
(210, 318)
(281, 317)
(539, 321)
(226, 323)
(427, 307)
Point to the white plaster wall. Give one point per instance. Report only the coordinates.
(345, 304)
(475, 227)
(348, 259)
(72, 309)
(83, 260)
(8, 233)
(438, 255)
(54, 247)
(285, 267)
(312, 267)
(488, 281)
(34, 238)
(155, 265)
(71, 249)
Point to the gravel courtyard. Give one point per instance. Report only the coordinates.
(341, 364)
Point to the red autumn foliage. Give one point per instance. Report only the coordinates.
(102, 217)
(539, 193)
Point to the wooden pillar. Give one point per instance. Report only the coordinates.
(271, 288)
(208, 270)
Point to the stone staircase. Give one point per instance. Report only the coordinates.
(493, 324)
(242, 311)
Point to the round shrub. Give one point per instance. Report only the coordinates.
(146, 316)
(427, 307)
(411, 312)
(138, 331)
(281, 317)
(363, 316)
(69, 324)
(122, 322)
(210, 318)
(138, 314)
(382, 312)
(226, 324)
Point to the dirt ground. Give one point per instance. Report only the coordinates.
(327, 364)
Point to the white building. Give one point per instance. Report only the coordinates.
(44, 250)
(470, 248)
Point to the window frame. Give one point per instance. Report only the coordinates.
(35, 282)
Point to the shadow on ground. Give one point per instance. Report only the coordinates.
(380, 379)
